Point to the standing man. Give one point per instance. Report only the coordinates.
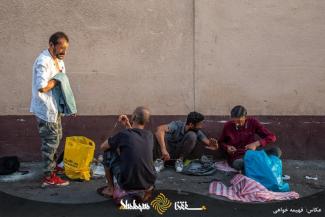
(43, 104)
(238, 136)
(178, 139)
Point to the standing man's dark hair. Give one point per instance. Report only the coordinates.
(54, 39)
(238, 111)
(194, 118)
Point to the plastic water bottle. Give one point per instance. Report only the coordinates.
(100, 158)
(159, 165)
(179, 166)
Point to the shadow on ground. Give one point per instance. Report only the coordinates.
(11, 206)
(23, 196)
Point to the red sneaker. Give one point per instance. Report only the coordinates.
(54, 180)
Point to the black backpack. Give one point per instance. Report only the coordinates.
(9, 165)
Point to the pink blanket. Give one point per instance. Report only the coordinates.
(245, 189)
(248, 190)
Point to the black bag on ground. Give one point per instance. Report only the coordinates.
(9, 165)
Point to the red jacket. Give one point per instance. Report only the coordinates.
(243, 136)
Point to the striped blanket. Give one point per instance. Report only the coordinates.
(245, 189)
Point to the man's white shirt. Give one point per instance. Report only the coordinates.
(43, 105)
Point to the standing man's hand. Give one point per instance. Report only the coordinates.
(50, 85)
(123, 119)
(165, 155)
(231, 149)
(252, 146)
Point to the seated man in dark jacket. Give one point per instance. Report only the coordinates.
(128, 156)
(238, 136)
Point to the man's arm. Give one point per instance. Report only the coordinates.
(210, 143)
(43, 84)
(105, 146)
(266, 136)
(123, 119)
(125, 122)
(50, 85)
(160, 135)
(223, 141)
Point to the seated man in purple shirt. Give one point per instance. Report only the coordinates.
(238, 136)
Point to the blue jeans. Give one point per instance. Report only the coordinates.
(112, 162)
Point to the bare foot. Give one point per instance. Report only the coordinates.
(148, 194)
(108, 191)
(105, 191)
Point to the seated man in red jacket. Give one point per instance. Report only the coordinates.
(238, 136)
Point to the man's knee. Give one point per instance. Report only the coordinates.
(238, 164)
(111, 162)
(111, 158)
(190, 136)
(276, 151)
(107, 158)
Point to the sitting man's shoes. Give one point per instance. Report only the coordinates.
(54, 180)
(179, 165)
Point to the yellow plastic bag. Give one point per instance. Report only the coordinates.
(78, 155)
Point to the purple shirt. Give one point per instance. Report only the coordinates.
(242, 136)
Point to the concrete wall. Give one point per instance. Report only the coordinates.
(122, 53)
(267, 55)
(173, 56)
(299, 137)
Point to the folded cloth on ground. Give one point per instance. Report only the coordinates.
(224, 166)
(245, 189)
